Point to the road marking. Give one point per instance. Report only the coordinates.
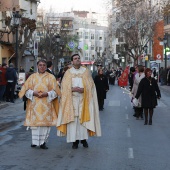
(127, 117)
(130, 153)
(114, 103)
(128, 132)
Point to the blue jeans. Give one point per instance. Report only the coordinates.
(2, 91)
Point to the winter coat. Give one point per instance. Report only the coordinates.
(136, 84)
(149, 91)
(102, 86)
(11, 74)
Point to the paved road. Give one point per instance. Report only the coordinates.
(126, 144)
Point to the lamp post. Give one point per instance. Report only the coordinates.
(145, 49)
(57, 39)
(16, 23)
(165, 42)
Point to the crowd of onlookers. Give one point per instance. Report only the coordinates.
(9, 76)
(8, 80)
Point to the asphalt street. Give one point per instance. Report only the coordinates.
(126, 143)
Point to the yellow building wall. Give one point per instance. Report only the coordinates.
(5, 54)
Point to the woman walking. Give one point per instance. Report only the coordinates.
(149, 90)
(102, 87)
(138, 77)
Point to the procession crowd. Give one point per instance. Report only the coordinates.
(71, 101)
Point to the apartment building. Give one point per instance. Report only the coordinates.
(91, 29)
(27, 9)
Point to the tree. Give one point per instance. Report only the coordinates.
(49, 48)
(135, 22)
(25, 31)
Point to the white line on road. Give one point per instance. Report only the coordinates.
(128, 132)
(130, 153)
(127, 117)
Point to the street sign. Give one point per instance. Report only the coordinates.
(158, 61)
(146, 58)
(158, 57)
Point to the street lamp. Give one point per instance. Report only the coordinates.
(165, 42)
(145, 49)
(16, 23)
(57, 39)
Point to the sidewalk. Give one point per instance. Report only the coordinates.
(6, 104)
(11, 115)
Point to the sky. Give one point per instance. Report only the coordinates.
(66, 5)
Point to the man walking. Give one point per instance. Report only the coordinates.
(50, 67)
(11, 77)
(41, 90)
(79, 112)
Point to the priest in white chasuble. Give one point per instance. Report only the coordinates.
(42, 92)
(78, 115)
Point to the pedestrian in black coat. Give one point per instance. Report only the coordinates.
(149, 90)
(102, 87)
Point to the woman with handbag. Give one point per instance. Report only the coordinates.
(149, 90)
(102, 87)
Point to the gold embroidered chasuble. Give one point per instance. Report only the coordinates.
(89, 118)
(40, 112)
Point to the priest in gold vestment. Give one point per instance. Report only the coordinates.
(41, 90)
(78, 115)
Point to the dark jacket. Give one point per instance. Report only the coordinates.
(49, 71)
(11, 74)
(101, 83)
(149, 91)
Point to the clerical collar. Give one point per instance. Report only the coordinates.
(77, 68)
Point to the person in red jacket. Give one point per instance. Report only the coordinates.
(3, 81)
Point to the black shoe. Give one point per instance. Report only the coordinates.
(75, 144)
(150, 122)
(85, 144)
(146, 122)
(33, 146)
(134, 115)
(43, 146)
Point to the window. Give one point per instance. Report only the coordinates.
(80, 35)
(100, 38)
(100, 48)
(86, 56)
(92, 47)
(92, 36)
(86, 35)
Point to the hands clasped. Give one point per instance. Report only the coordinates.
(78, 89)
(40, 94)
